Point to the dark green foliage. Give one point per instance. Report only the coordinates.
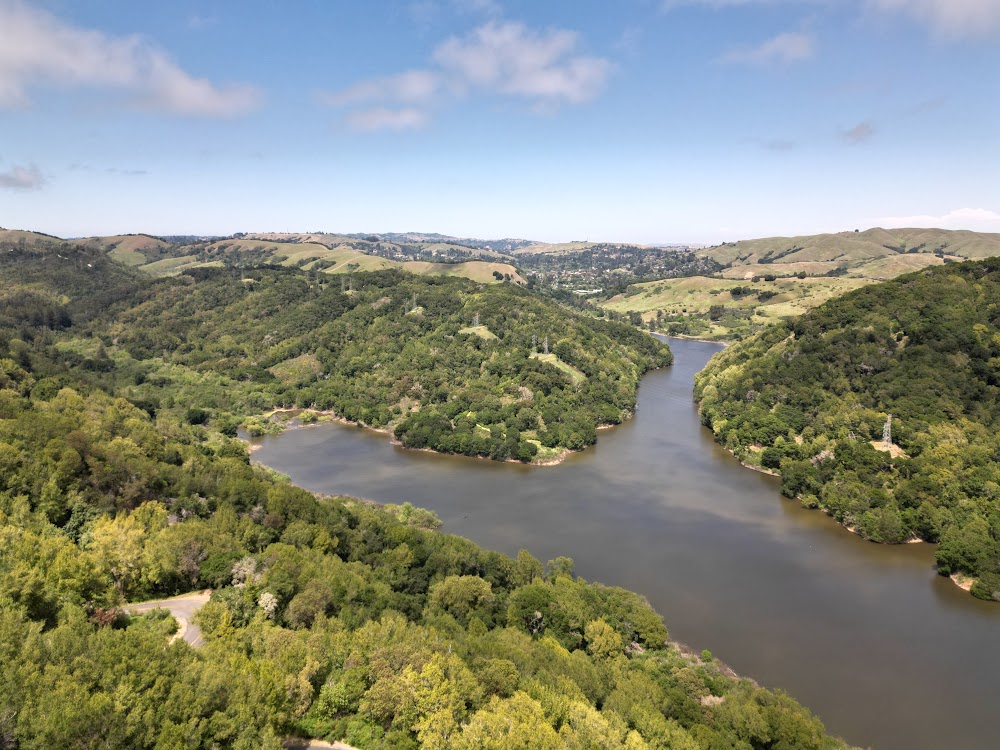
(271, 337)
(816, 393)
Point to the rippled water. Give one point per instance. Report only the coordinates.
(888, 654)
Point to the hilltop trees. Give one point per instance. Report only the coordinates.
(811, 399)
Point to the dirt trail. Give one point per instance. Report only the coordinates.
(183, 609)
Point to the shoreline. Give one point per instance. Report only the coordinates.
(332, 416)
(963, 581)
(692, 338)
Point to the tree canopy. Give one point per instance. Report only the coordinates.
(811, 399)
(329, 617)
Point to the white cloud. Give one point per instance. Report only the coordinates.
(20, 177)
(512, 59)
(489, 7)
(950, 18)
(975, 219)
(413, 86)
(496, 58)
(863, 131)
(383, 118)
(672, 4)
(947, 18)
(792, 46)
(36, 48)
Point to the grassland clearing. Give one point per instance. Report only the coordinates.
(574, 374)
(481, 331)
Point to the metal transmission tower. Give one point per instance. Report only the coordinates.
(887, 432)
(534, 343)
(475, 321)
(546, 344)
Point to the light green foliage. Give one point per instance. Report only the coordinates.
(329, 617)
(516, 723)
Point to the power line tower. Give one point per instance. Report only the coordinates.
(534, 343)
(475, 321)
(887, 432)
(546, 344)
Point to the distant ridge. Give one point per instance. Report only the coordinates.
(873, 253)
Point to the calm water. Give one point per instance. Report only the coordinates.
(888, 654)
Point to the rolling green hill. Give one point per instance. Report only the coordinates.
(810, 398)
(855, 249)
(391, 351)
(722, 309)
(14, 236)
(387, 349)
(788, 275)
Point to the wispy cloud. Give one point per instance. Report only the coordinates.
(384, 118)
(412, 86)
(39, 49)
(127, 172)
(20, 177)
(860, 133)
(953, 19)
(668, 5)
(779, 145)
(976, 219)
(792, 46)
(198, 22)
(509, 59)
(947, 18)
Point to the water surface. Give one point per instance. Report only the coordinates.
(888, 654)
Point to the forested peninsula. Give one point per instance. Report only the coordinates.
(329, 617)
(446, 364)
(812, 399)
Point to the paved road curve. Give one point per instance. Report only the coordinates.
(183, 609)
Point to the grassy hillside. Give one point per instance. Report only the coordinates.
(342, 257)
(15, 236)
(482, 271)
(810, 398)
(329, 253)
(133, 249)
(719, 308)
(855, 249)
(789, 275)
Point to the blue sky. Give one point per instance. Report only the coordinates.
(636, 120)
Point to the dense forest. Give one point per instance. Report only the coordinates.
(812, 398)
(329, 617)
(445, 363)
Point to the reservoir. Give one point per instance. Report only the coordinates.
(886, 652)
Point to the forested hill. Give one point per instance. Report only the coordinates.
(812, 397)
(330, 618)
(447, 363)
